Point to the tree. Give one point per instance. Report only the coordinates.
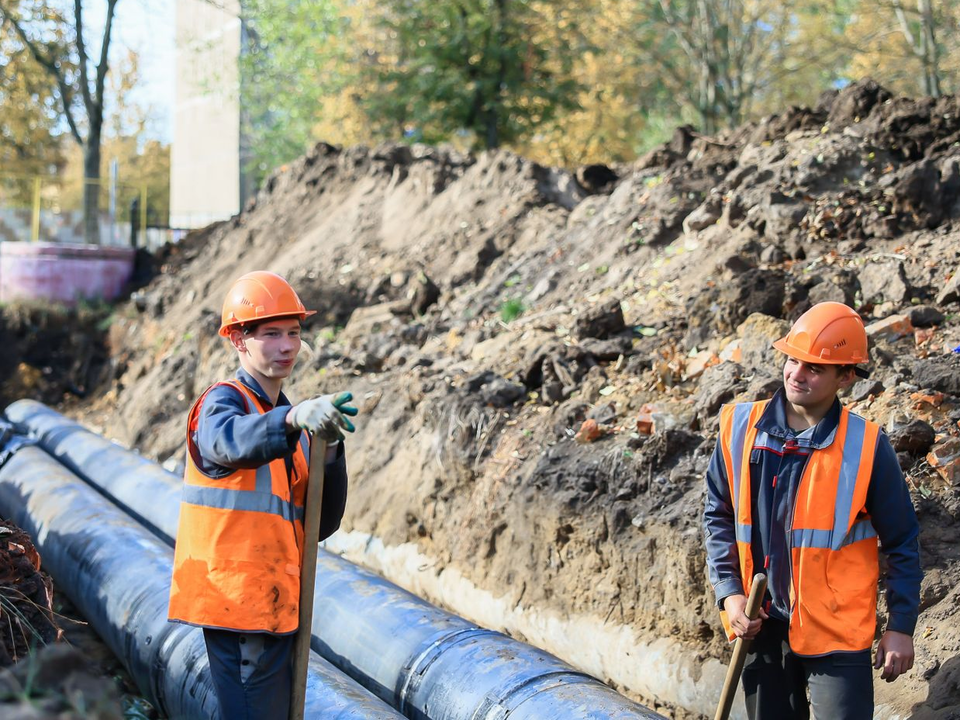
(910, 49)
(55, 40)
(921, 37)
(618, 103)
(724, 55)
(293, 63)
(475, 66)
(142, 163)
(29, 141)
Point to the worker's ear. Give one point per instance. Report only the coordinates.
(238, 342)
(848, 376)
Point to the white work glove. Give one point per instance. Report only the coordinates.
(324, 416)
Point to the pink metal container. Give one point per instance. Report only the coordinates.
(62, 273)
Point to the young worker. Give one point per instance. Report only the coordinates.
(802, 489)
(236, 568)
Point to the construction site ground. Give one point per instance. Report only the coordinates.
(539, 358)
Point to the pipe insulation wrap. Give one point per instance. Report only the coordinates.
(140, 487)
(433, 665)
(118, 576)
(428, 663)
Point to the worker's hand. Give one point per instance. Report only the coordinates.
(894, 655)
(324, 416)
(743, 627)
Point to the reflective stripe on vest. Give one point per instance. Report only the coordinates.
(261, 499)
(238, 553)
(850, 467)
(834, 601)
(248, 500)
(861, 530)
(735, 423)
(840, 536)
(305, 447)
(741, 416)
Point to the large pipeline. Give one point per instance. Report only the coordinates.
(118, 575)
(424, 661)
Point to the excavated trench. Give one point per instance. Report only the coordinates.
(539, 364)
(424, 662)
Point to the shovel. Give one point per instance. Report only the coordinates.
(740, 649)
(308, 575)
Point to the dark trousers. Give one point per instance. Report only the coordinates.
(252, 673)
(776, 681)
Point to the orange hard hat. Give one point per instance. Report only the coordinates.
(258, 296)
(829, 333)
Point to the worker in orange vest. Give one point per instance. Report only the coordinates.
(236, 568)
(802, 489)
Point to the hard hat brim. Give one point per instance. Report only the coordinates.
(226, 329)
(783, 346)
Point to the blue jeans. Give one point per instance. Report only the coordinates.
(252, 673)
(775, 681)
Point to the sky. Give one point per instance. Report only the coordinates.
(146, 26)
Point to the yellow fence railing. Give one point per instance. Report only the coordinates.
(51, 208)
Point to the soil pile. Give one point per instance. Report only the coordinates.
(52, 354)
(540, 356)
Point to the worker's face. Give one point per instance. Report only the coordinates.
(812, 386)
(271, 349)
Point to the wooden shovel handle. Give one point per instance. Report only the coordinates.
(740, 649)
(308, 575)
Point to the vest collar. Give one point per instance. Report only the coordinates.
(773, 421)
(253, 386)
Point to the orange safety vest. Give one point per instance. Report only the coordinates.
(833, 545)
(237, 560)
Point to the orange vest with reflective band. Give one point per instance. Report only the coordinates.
(833, 545)
(237, 559)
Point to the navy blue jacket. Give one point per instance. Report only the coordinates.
(230, 438)
(888, 503)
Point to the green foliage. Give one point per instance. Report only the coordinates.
(54, 36)
(30, 141)
(724, 61)
(565, 82)
(511, 310)
(329, 334)
(296, 55)
(482, 69)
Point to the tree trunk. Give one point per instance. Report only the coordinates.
(928, 42)
(91, 189)
(492, 111)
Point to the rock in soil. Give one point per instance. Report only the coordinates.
(916, 437)
(939, 373)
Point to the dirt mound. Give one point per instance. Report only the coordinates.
(50, 354)
(483, 309)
